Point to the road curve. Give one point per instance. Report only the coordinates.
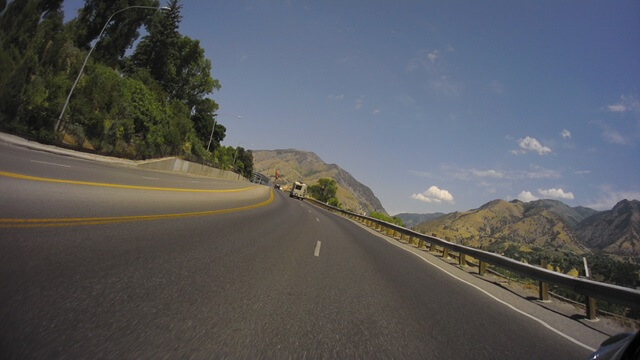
(271, 277)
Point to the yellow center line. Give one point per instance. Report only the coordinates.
(34, 223)
(87, 183)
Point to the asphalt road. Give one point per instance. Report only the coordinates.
(160, 273)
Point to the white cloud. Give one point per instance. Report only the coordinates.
(446, 86)
(446, 173)
(617, 108)
(449, 49)
(614, 137)
(434, 195)
(566, 134)
(488, 173)
(608, 197)
(375, 112)
(429, 61)
(526, 196)
(531, 144)
(582, 172)
(434, 55)
(359, 103)
(333, 97)
(556, 194)
(538, 172)
(625, 104)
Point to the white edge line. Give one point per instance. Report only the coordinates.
(317, 251)
(542, 322)
(150, 178)
(50, 163)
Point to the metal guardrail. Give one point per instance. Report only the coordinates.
(591, 289)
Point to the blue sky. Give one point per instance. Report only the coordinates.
(436, 106)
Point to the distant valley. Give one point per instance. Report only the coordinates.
(410, 220)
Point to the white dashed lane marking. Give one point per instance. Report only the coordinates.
(49, 163)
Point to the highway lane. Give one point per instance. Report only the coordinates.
(44, 164)
(242, 284)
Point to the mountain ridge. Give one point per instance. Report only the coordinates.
(295, 165)
(544, 224)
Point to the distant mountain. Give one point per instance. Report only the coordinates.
(540, 224)
(295, 165)
(616, 231)
(412, 219)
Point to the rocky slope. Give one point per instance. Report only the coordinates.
(295, 165)
(616, 231)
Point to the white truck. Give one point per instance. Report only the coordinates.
(298, 190)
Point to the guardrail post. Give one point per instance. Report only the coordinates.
(592, 312)
(462, 259)
(445, 253)
(420, 244)
(430, 249)
(482, 267)
(543, 287)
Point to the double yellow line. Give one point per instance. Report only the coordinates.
(60, 222)
(119, 186)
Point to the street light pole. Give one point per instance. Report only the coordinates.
(91, 50)
(214, 126)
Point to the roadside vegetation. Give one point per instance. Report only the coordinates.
(387, 218)
(325, 190)
(150, 101)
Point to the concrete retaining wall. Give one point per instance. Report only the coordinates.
(176, 164)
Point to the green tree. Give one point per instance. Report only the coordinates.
(33, 82)
(119, 34)
(27, 29)
(192, 78)
(334, 202)
(202, 118)
(223, 157)
(324, 190)
(157, 51)
(244, 162)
